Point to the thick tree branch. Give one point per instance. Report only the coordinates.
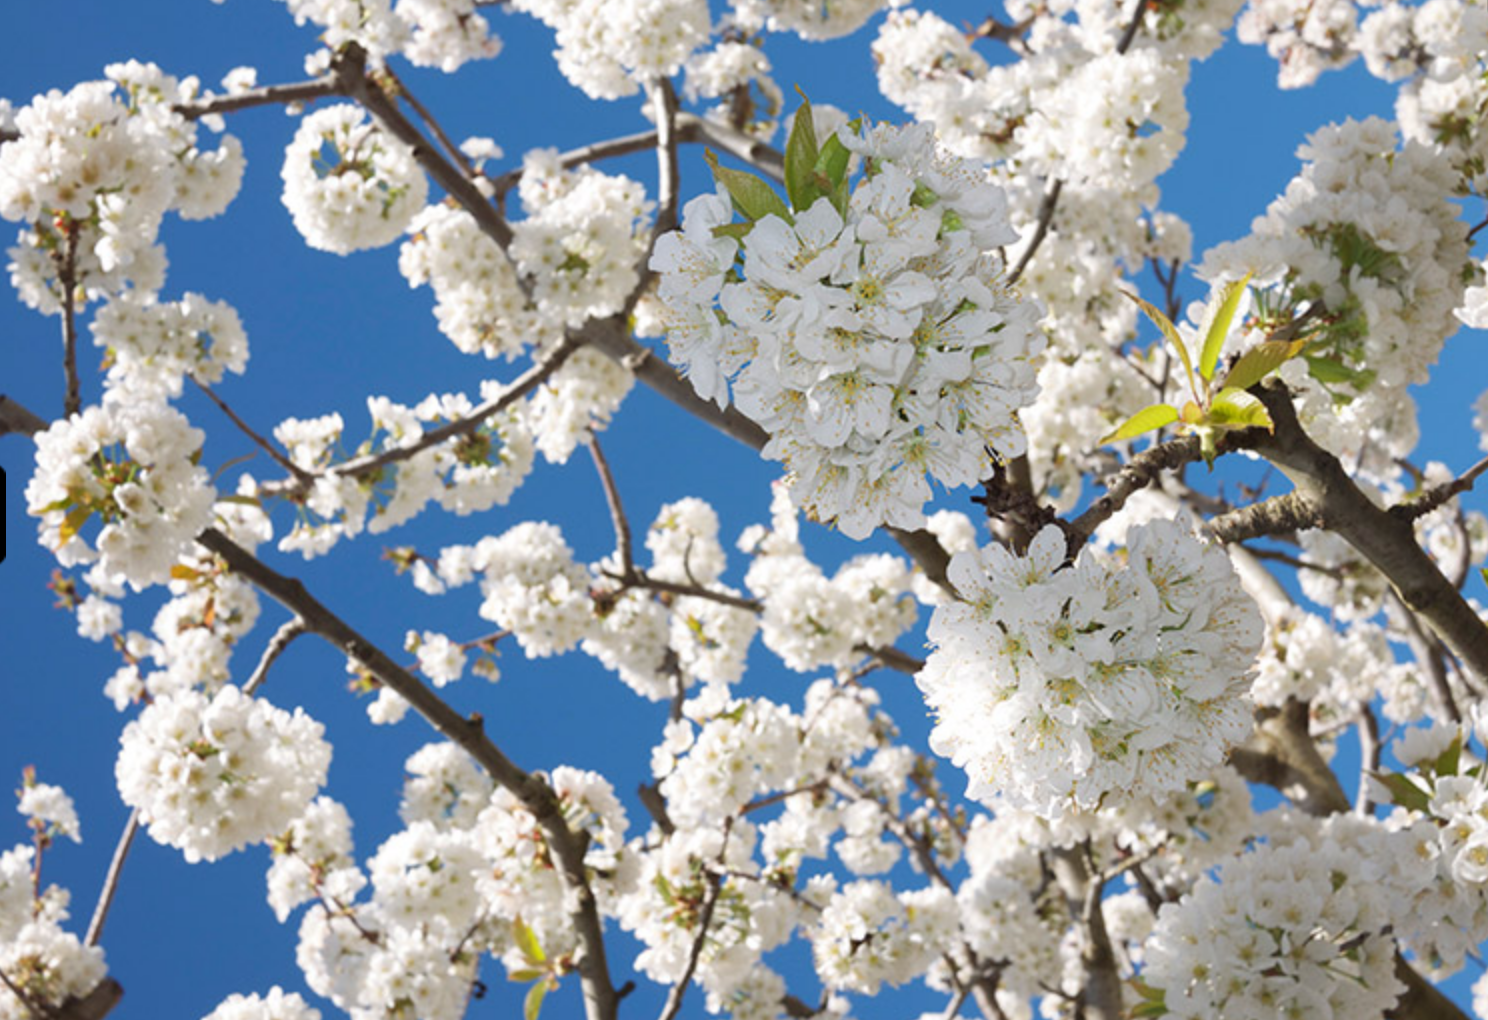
(1382, 537)
(600, 998)
(19, 419)
(1281, 754)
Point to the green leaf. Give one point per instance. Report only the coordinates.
(1260, 361)
(738, 231)
(1171, 332)
(1448, 761)
(527, 942)
(753, 197)
(526, 974)
(801, 152)
(1236, 409)
(1330, 370)
(832, 160)
(1403, 792)
(72, 524)
(533, 1004)
(1146, 420)
(238, 498)
(1216, 324)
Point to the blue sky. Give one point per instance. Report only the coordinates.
(324, 331)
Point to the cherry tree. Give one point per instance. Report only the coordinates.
(1144, 531)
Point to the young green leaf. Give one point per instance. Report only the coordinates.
(1330, 370)
(527, 943)
(1403, 792)
(752, 196)
(1260, 361)
(533, 1004)
(1236, 409)
(1216, 324)
(526, 974)
(1448, 761)
(738, 231)
(1147, 419)
(72, 524)
(1171, 332)
(801, 153)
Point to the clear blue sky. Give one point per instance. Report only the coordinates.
(325, 331)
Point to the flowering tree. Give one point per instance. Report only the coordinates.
(1203, 742)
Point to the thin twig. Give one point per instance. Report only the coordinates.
(1041, 229)
(111, 880)
(360, 467)
(617, 510)
(705, 917)
(288, 631)
(451, 150)
(640, 579)
(305, 478)
(1439, 494)
(1369, 758)
(291, 92)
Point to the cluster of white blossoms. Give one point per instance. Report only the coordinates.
(1299, 927)
(470, 870)
(606, 48)
(869, 934)
(153, 346)
(727, 70)
(195, 632)
(807, 18)
(431, 33)
(133, 467)
(348, 184)
(277, 1005)
(577, 247)
(1070, 687)
(211, 775)
(1365, 239)
(876, 343)
(812, 621)
(1305, 658)
(46, 964)
(478, 468)
(93, 172)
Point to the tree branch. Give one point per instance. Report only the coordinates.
(1382, 537)
(292, 92)
(1437, 495)
(1139, 472)
(1281, 754)
(617, 510)
(600, 998)
(67, 279)
(360, 467)
(350, 73)
(302, 477)
(111, 879)
(17, 418)
(287, 632)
